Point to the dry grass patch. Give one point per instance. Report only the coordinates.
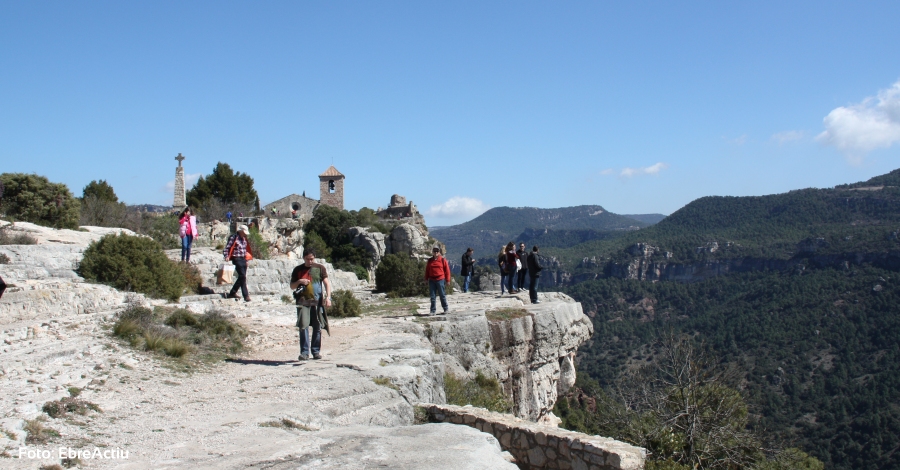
(62, 407)
(285, 423)
(37, 432)
(504, 314)
(391, 307)
(178, 333)
(385, 382)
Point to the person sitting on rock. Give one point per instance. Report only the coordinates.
(307, 282)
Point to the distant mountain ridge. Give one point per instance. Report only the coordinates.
(500, 225)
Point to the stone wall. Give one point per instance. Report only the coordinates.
(537, 446)
(304, 206)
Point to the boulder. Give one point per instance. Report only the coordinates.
(373, 242)
(487, 282)
(212, 233)
(409, 239)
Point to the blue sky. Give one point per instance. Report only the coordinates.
(459, 106)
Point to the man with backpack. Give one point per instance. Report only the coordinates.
(312, 291)
(437, 273)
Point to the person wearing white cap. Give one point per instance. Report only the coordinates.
(238, 251)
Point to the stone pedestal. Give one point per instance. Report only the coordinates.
(179, 201)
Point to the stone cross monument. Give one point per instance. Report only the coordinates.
(179, 201)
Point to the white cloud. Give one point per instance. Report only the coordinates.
(858, 129)
(649, 170)
(458, 207)
(607, 171)
(788, 136)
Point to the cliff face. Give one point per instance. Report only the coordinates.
(531, 355)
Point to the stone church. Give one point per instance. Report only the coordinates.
(331, 193)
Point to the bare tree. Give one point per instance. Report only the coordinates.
(683, 409)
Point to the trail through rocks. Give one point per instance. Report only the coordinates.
(233, 414)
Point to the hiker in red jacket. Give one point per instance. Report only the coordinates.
(437, 273)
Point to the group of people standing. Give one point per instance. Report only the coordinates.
(514, 266)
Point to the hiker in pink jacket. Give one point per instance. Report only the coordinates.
(188, 231)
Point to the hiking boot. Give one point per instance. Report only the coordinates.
(317, 356)
(247, 299)
(232, 296)
(303, 357)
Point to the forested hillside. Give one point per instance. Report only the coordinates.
(487, 232)
(815, 344)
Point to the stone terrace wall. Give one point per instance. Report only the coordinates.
(538, 446)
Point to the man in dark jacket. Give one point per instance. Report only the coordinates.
(520, 282)
(467, 267)
(534, 274)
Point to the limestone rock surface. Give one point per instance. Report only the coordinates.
(409, 239)
(530, 354)
(372, 242)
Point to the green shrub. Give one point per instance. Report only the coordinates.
(315, 242)
(164, 229)
(344, 304)
(193, 280)
(258, 246)
(401, 276)
(222, 333)
(4, 259)
(361, 273)
(210, 333)
(483, 392)
(133, 264)
(33, 198)
(181, 317)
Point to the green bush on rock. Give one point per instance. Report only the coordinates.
(132, 264)
(344, 304)
(401, 276)
(482, 391)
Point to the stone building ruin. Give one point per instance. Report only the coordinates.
(301, 207)
(400, 210)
